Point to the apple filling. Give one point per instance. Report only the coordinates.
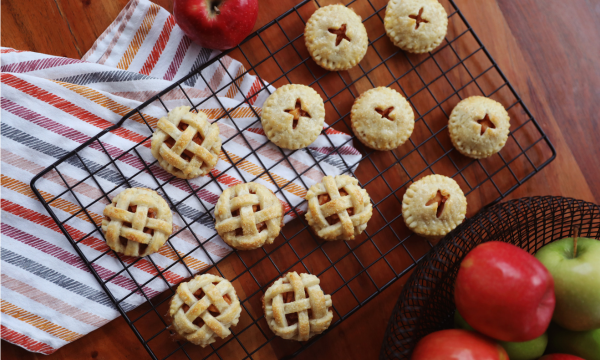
(292, 318)
(440, 199)
(340, 34)
(486, 123)
(123, 240)
(334, 219)
(386, 113)
(212, 309)
(297, 112)
(259, 226)
(186, 155)
(418, 19)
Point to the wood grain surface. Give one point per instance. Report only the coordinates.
(548, 49)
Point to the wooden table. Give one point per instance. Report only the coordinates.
(548, 49)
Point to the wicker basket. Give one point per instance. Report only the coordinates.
(426, 303)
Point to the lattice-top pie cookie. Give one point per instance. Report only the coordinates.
(416, 26)
(479, 127)
(338, 208)
(204, 308)
(382, 119)
(186, 144)
(137, 222)
(248, 216)
(296, 308)
(336, 38)
(293, 116)
(434, 206)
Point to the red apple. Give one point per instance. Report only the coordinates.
(504, 292)
(216, 24)
(457, 344)
(560, 357)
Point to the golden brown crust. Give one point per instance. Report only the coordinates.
(416, 26)
(203, 157)
(120, 224)
(317, 304)
(278, 121)
(382, 119)
(324, 44)
(465, 127)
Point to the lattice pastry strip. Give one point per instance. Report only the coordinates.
(338, 209)
(296, 307)
(204, 308)
(186, 144)
(248, 216)
(137, 222)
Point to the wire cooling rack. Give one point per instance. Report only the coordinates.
(353, 272)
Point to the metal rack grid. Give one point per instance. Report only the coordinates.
(359, 270)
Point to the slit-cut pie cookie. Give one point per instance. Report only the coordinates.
(247, 216)
(293, 116)
(382, 119)
(137, 222)
(434, 206)
(336, 38)
(296, 307)
(204, 308)
(186, 144)
(416, 26)
(338, 208)
(479, 127)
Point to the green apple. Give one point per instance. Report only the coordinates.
(575, 268)
(526, 350)
(585, 344)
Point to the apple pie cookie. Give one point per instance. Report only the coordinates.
(434, 206)
(296, 307)
(204, 308)
(248, 216)
(137, 222)
(186, 144)
(479, 127)
(382, 119)
(416, 26)
(293, 116)
(338, 208)
(336, 38)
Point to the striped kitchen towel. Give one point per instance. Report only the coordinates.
(51, 105)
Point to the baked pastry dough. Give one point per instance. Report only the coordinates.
(416, 26)
(479, 127)
(336, 38)
(248, 216)
(296, 307)
(137, 222)
(434, 206)
(186, 144)
(204, 308)
(338, 209)
(293, 116)
(382, 119)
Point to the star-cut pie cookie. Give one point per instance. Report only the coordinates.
(204, 308)
(296, 307)
(293, 116)
(382, 119)
(137, 222)
(336, 38)
(434, 206)
(186, 144)
(479, 127)
(248, 216)
(416, 26)
(338, 208)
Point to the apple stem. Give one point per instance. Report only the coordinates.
(217, 11)
(575, 236)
